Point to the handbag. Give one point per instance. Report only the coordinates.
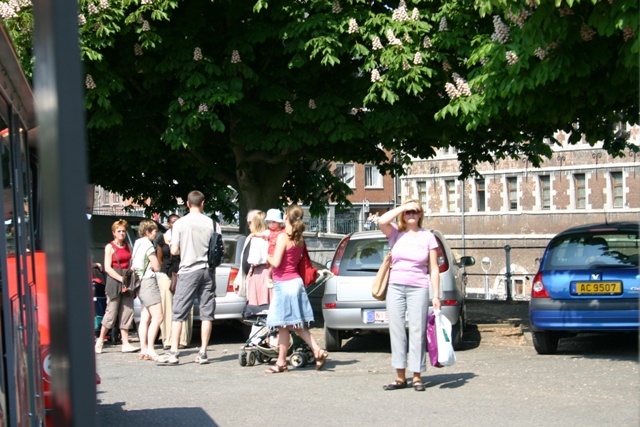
(307, 271)
(174, 282)
(381, 281)
(432, 340)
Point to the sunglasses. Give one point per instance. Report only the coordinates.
(412, 212)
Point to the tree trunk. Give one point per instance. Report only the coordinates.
(260, 188)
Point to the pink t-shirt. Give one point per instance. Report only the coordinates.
(288, 269)
(410, 257)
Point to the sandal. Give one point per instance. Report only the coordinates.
(277, 369)
(152, 357)
(418, 386)
(321, 358)
(396, 385)
(142, 356)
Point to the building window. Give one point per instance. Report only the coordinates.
(512, 192)
(617, 190)
(422, 195)
(116, 198)
(545, 192)
(480, 195)
(347, 174)
(372, 176)
(580, 190)
(105, 197)
(450, 185)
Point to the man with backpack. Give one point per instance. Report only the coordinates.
(192, 238)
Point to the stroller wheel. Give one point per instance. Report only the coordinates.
(242, 358)
(310, 356)
(298, 360)
(251, 358)
(264, 358)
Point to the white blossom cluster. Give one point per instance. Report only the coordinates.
(375, 76)
(104, 4)
(566, 11)
(520, 17)
(235, 57)
(541, 53)
(426, 42)
(88, 81)
(415, 14)
(7, 11)
(444, 25)
(143, 2)
(400, 14)
(392, 38)
(197, 54)
(451, 90)
(11, 8)
(446, 66)
(145, 25)
(377, 44)
(512, 58)
(181, 102)
(417, 58)
(408, 38)
(137, 50)
(92, 9)
(312, 104)
(287, 108)
(484, 61)
(586, 32)
(628, 33)
(500, 30)
(81, 19)
(335, 7)
(461, 85)
(353, 26)
(406, 66)
(203, 108)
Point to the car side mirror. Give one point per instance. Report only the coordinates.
(328, 265)
(466, 261)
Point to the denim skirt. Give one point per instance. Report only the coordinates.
(290, 305)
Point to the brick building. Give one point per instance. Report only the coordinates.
(373, 192)
(521, 207)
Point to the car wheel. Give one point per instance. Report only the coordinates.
(457, 332)
(332, 339)
(545, 342)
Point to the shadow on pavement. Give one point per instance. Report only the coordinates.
(115, 415)
(448, 380)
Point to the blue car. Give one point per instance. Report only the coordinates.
(588, 282)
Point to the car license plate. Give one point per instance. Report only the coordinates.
(376, 316)
(596, 288)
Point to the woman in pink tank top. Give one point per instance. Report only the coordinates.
(290, 306)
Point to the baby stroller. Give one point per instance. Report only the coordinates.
(262, 345)
(99, 300)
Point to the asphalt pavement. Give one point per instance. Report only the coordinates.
(498, 380)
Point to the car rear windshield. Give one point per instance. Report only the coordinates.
(363, 257)
(594, 250)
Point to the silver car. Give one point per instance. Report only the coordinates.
(349, 308)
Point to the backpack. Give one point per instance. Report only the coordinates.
(216, 248)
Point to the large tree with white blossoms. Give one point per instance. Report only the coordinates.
(257, 96)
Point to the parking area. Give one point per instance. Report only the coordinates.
(499, 380)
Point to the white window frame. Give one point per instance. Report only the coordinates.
(620, 186)
(372, 174)
(350, 172)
